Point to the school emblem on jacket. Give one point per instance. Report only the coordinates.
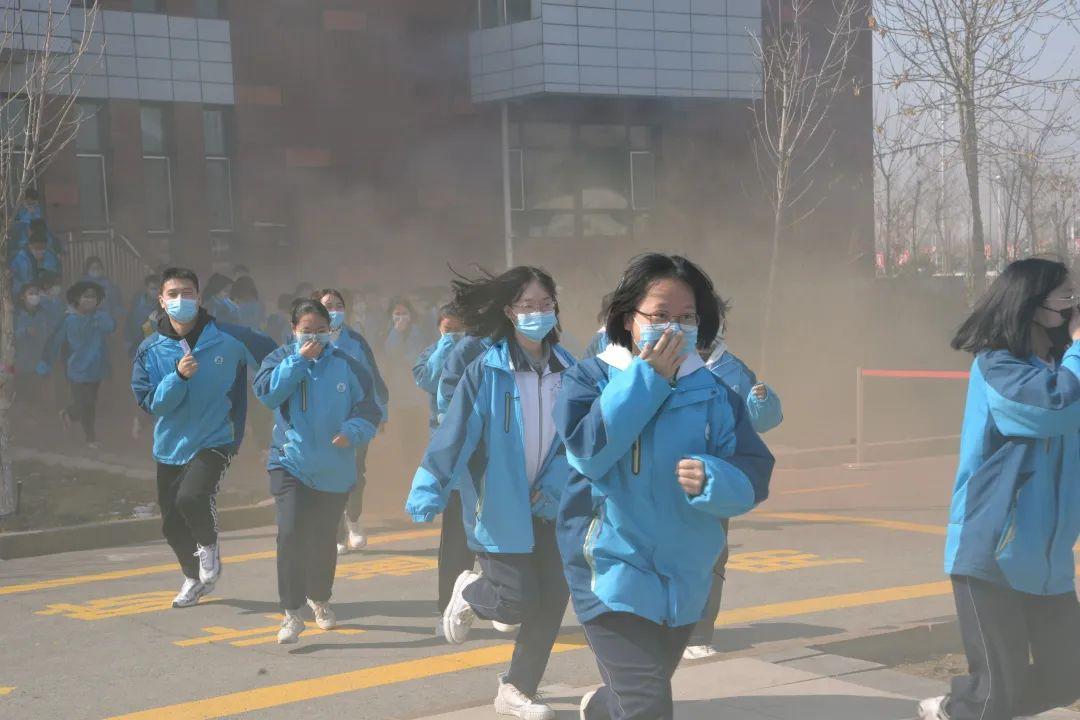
(341, 387)
(219, 360)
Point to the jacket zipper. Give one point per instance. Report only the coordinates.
(303, 395)
(1057, 515)
(635, 457)
(506, 413)
(540, 424)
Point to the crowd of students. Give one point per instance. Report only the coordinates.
(606, 482)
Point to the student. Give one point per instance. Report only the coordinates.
(324, 408)
(192, 376)
(81, 340)
(277, 323)
(1015, 513)
(405, 339)
(504, 404)
(35, 259)
(219, 303)
(27, 216)
(765, 411)
(455, 556)
(32, 331)
(661, 453)
(249, 308)
(143, 315)
(355, 346)
(94, 271)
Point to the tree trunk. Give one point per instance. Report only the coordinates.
(969, 148)
(770, 288)
(7, 392)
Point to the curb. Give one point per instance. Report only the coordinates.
(913, 644)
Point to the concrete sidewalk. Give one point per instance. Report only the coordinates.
(800, 684)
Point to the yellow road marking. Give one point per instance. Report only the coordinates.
(113, 607)
(770, 561)
(319, 687)
(854, 520)
(172, 567)
(6, 691)
(823, 488)
(256, 636)
(394, 566)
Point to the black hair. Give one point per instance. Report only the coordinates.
(318, 295)
(244, 289)
(449, 310)
(31, 194)
(92, 260)
(306, 306)
(76, 291)
(1003, 316)
(643, 271)
(21, 298)
(179, 273)
(216, 284)
(404, 302)
(284, 302)
(47, 279)
(481, 301)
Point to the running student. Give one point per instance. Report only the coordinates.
(355, 346)
(662, 453)
(500, 423)
(766, 413)
(324, 409)
(1015, 514)
(192, 376)
(80, 340)
(455, 555)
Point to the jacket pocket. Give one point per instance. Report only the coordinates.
(589, 547)
(1008, 531)
(635, 457)
(481, 485)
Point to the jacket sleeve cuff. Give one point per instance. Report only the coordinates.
(423, 517)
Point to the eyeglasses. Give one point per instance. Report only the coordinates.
(662, 318)
(530, 307)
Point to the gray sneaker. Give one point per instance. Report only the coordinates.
(459, 616)
(190, 593)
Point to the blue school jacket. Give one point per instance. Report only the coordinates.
(81, 341)
(428, 370)
(463, 355)
(764, 414)
(353, 344)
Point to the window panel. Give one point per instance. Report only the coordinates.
(548, 135)
(603, 179)
(152, 123)
(643, 180)
(215, 135)
(603, 224)
(91, 128)
(603, 136)
(491, 13)
(518, 10)
(93, 197)
(219, 193)
(549, 179)
(640, 137)
(209, 8)
(157, 181)
(150, 6)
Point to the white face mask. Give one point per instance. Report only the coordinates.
(33, 300)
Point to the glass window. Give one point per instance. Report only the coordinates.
(491, 13)
(157, 181)
(549, 180)
(93, 197)
(152, 123)
(219, 193)
(553, 135)
(209, 8)
(149, 6)
(640, 137)
(602, 177)
(90, 133)
(605, 136)
(215, 133)
(643, 180)
(13, 116)
(518, 10)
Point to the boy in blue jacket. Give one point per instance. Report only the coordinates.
(80, 339)
(34, 260)
(192, 376)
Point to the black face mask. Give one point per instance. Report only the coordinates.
(1065, 314)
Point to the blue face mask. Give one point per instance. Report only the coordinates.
(537, 325)
(337, 319)
(321, 338)
(182, 310)
(651, 334)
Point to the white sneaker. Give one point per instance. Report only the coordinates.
(324, 616)
(513, 702)
(291, 627)
(459, 616)
(342, 549)
(504, 628)
(189, 594)
(357, 538)
(209, 564)
(585, 700)
(933, 709)
(698, 652)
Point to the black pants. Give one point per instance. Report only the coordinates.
(186, 497)
(529, 589)
(83, 407)
(455, 556)
(355, 507)
(1023, 652)
(306, 544)
(637, 659)
(706, 627)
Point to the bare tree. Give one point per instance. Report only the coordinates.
(985, 59)
(40, 63)
(804, 52)
(1062, 208)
